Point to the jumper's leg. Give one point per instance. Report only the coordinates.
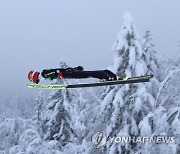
(102, 75)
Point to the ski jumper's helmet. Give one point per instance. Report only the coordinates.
(33, 76)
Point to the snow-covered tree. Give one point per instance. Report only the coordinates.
(150, 54)
(169, 97)
(16, 105)
(64, 114)
(39, 106)
(57, 120)
(124, 107)
(151, 60)
(11, 131)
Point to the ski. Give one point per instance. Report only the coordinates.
(138, 79)
(44, 86)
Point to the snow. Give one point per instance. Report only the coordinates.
(128, 73)
(139, 47)
(145, 127)
(176, 125)
(11, 131)
(138, 104)
(108, 99)
(132, 56)
(171, 73)
(117, 62)
(139, 69)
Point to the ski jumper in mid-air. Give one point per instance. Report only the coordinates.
(70, 73)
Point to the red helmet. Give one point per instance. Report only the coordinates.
(33, 76)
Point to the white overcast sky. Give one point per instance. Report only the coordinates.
(36, 34)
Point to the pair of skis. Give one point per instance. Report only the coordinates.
(138, 79)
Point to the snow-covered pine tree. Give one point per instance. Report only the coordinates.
(150, 56)
(64, 115)
(124, 107)
(151, 60)
(167, 91)
(39, 111)
(39, 106)
(168, 98)
(165, 118)
(57, 120)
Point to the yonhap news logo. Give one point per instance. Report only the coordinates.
(100, 138)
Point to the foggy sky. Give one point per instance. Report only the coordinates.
(36, 34)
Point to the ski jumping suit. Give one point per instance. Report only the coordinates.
(77, 74)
